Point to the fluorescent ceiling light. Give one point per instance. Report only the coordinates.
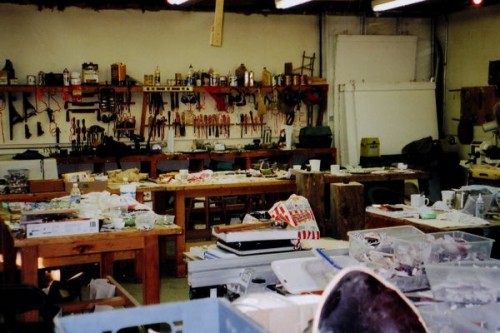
(176, 2)
(381, 5)
(282, 4)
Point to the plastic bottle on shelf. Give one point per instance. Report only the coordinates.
(479, 207)
(240, 75)
(189, 76)
(66, 77)
(266, 77)
(157, 77)
(75, 195)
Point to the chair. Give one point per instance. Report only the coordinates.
(17, 299)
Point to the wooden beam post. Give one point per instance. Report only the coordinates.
(311, 185)
(347, 209)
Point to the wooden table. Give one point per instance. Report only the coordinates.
(104, 246)
(314, 186)
(376, 220)
(242, 186)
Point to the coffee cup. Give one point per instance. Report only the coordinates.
(315, 165)
(334, 169)
(447, 197)
(183, 173)
(418, 200)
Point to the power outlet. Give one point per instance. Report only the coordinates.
(147, 196)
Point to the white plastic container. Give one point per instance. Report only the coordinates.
(465, 282)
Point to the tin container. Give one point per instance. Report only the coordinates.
(148, 79)
(178, 79)
(90, 73)
(118, 74)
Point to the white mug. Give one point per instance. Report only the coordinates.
(418, 200)
(334, 169)
(315, 165)
(447, 197)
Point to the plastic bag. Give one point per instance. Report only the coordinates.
(297, 212)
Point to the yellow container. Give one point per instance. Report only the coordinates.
(370, 147)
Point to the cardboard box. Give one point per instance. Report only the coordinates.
(86, 187)
(62, 228)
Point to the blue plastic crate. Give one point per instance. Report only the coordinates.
(208, 315)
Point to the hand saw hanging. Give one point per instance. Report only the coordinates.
(216, 31)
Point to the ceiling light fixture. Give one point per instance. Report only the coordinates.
(176, 2)
(381, 5)
(282, 4)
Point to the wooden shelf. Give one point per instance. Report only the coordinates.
(59, 89)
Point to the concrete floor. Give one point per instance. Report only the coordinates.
(172, 289)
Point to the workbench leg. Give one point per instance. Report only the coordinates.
(180, 220)
(151, 271)
(29, 274)
(311, 185)
(9, 253)
(107, 262)
(347, 209)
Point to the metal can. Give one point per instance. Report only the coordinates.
(250, 79)
(66, 77)
(303, 80)
(288, 80)
(223, 81)
(214, 79)
(247, 79)
(118, 74)
(148, 79)
(178, 79)
(31, 80)
(296, 80)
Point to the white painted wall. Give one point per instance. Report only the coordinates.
(50, 40)
(472, 40)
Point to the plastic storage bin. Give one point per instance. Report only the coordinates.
(465, 282)
(459, 245)
(439, 317)
(379, 240)
(208, 315)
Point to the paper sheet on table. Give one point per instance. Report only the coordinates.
(452, 219)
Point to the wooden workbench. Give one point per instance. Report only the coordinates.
(103, 247)
(228, 187)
